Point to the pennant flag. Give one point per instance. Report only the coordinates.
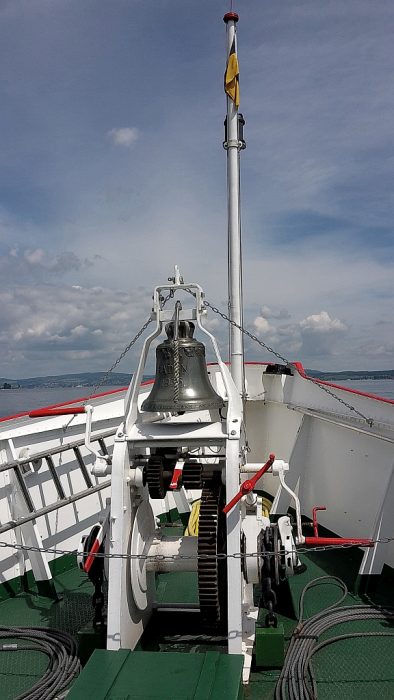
(231, 76)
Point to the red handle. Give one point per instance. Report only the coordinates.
(45, 412)
(314, 519)
(324, 541)
(249, 485)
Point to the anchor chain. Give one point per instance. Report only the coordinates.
(269, 545)
(187, 557)
(98, 602)
(271, 619)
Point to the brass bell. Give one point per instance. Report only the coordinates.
(182, 382)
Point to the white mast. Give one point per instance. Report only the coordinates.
(233, 147)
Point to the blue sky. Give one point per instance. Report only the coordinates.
(112, 170)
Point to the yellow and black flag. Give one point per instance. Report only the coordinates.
(231, 76)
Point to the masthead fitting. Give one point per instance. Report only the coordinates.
(230, 16)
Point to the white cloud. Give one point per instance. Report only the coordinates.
(322, 323)
(268, 312)
(125, 136)
(24, 263)
(46, 328)
(330, 155)
(79, 330)
(261, 325)
(34, 257)
(320, 334)
(312, 338)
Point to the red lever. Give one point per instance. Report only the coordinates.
(324, 541)
(314, 519)
(317, 541)
(249, 485)
(176, 475)
(44, 412)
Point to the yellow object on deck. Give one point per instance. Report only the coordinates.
(192, 526)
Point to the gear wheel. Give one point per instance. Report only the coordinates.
(159, 471)
(155, 477)
(212, 571)
(192, 475)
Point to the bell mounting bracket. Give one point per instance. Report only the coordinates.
(162, 316)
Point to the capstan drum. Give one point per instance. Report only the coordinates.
(181, 383)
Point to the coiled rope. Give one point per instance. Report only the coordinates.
(59, 647)
(297, 680)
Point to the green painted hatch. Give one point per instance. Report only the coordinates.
(148, 675)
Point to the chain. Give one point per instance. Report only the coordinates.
(369, 421)
(128, 347)
(246, 332)
(118, 360)
(250, 335)
(177, 557)
(98, 601)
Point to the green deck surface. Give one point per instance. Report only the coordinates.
(144, 675)
(346, 670)
(352, 669)
(19, 670)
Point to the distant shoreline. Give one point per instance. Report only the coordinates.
(88, 380)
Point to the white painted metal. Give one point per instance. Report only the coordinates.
(278, 469)
(168, 549)
(129, 592)
(102, 461)
(252, 524)
(234, 232)
(186, 432)
(30, 533)
(234, 576)
(249, 619)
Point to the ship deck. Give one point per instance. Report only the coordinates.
(359, 667)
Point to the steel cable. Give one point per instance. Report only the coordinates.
(297, 680)
(61, 650)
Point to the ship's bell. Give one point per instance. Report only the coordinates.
(182, 382)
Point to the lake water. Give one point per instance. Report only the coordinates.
(379, 387)
(13, 401)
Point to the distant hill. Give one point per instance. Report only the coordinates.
(341, 376)
(91, 379)
(82, 379)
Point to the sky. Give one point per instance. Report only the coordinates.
(112, 170)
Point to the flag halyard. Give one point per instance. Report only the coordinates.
(231, 76)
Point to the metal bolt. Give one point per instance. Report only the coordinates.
(233, 432)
